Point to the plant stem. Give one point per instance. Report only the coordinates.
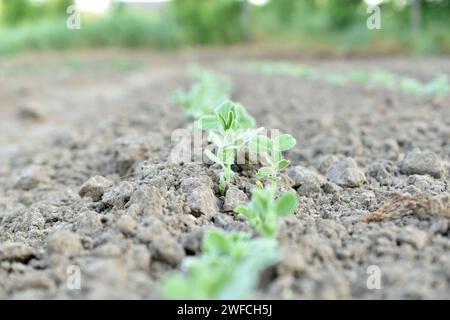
(225, 179)
(274, 181)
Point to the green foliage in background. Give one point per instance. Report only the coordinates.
(126, 28)
(439, 85)
(13, 12)
(208, 91)
(330, 26)
(339, 26)
(209, 22)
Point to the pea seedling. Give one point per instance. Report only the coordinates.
(209, 90)
(384, 78)
(232, 129)
(273, 148)
(439, 86)
(228, 268)
(263, 210)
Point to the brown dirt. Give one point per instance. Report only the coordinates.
(63, 123)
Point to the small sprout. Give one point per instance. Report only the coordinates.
(259, 185)
(411, 85)
(335, 78)
(209, 90)
(241, 118)
(228, 268)
(263, 210)
(273, 148)
(439, 86)
(384, 78)
(359, 76)
(232, 129)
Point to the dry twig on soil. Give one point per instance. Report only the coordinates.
(404, 204)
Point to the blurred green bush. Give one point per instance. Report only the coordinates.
(124, 28)
(14, 12)
(209, 22)
(333, 25)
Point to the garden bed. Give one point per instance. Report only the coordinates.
(87, 182)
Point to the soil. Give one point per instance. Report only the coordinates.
(88, 184)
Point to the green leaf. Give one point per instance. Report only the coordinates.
(222, 185)
(243, 119)
(286, 204)
(211, 156)
(222, 120)
(269, 228)
(284, 142)
(208, 122)
(226, 107)
(259, 185)
(176, 287)
(264, 172)
(246, 212)
(248, 135)
(230, 120)
(262, 200)
(215, 139)
(260, 144)
(283, 164)
(216, 242)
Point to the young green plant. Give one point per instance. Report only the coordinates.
(263, 210)
(273, 149)
(209, 90)
(232, 128)
(228, 268)
(438, 86)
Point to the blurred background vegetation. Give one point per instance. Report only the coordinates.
(407, 26)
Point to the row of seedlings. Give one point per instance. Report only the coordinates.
(230, 264)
